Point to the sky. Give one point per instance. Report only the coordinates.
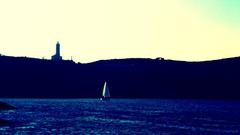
(90, 30)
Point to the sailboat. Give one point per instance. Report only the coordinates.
(105, 93)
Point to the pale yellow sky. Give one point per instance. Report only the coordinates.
(91, 30)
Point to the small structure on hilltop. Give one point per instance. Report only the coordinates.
(160, 58)
(57, 56)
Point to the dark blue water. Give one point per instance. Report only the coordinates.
(121, 116)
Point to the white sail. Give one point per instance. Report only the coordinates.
(105, 91)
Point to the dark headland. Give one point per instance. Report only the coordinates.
(6, 106)
(22, 77)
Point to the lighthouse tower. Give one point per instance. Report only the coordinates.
(57, 56)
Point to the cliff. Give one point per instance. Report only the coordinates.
(22, 77)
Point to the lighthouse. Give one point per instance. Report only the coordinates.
(57, 56)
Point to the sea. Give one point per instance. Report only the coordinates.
(121, 116)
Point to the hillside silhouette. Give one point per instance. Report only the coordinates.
(22, 77)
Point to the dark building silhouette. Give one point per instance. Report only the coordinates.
(57, 56)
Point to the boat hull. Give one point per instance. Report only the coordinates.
(105, 99)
